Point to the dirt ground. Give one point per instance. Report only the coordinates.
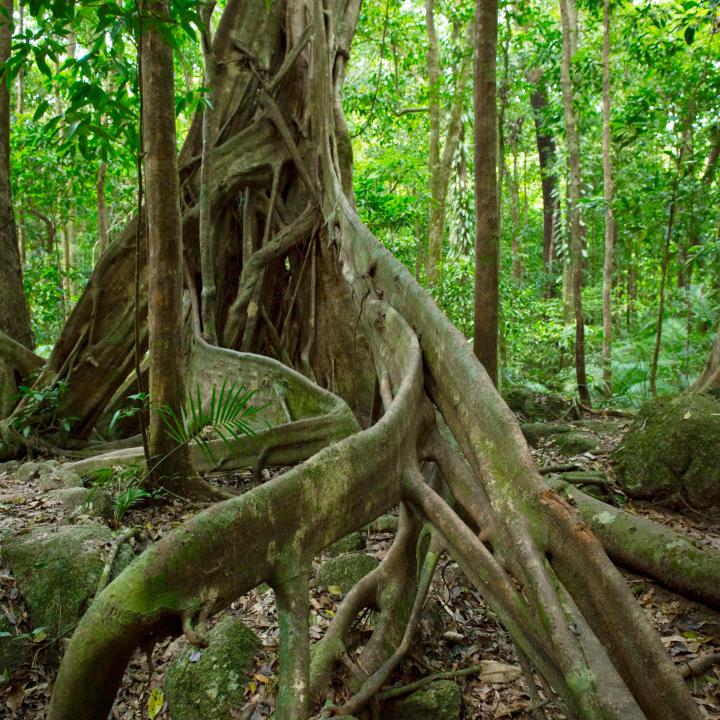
(458, 630)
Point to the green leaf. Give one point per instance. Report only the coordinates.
(155, 702)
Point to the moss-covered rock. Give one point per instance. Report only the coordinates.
(536, 431)
(673, 446)
(538, 406)
(210, 682)
(15, 650)
(48, 475)
(440, 700)
(84, 501)
(575, 443)
(57, 571)
(345, 571)
(350, 543)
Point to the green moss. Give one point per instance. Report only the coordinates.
(537, 406)
(57, 571)
(346, 570)
(350, 543)
(673, 446)
(534, 431)
(575, 443)
(210, 682)
(440, 700)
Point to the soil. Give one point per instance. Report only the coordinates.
(458, 630)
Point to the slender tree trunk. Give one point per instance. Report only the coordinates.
(514, 187)
(162, 192)
(569, 32)
(710, 378)
(546, 156)
(504, 91)
(207, 254)
(102, 220)
(487, 230)
(608, 197)
(440, 160)
(21, 74)
(14, 314)
(672, 212)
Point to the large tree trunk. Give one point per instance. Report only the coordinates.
(487, 227)
(170, 464)
(572, 134)
(14, 315)
(335, 304)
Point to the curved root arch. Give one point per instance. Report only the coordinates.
(327, 298)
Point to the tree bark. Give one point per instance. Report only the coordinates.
(102, 220)
(14, 314)
(440, 159)
(709, 380)
(608, 197)
(546, 156)
(170, 464)
(487, 230)
(568, 15)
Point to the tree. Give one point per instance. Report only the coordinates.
(487, 227)
(346, 313)
(608, 197)
(14, 315)
(440, 158)
(568, 14)
(170, 464)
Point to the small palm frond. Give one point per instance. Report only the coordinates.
(229, 415)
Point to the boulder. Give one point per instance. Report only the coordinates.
(439, 700)
(538, 406)
(345, 571)
(57, 571)
(673, 447)
(84, 501)
(49, 475)
(535, 431)
(210, 682)
(350, 543)
(576, 443)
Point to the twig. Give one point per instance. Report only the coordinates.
(561, 467)
(400, 690)
(699, 665)
(106, 574)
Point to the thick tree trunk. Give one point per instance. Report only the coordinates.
(170, 464)
(568, 14)
(608, 197)
(487, 230)
(14, 315)
(709, 381)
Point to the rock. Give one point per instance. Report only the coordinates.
(440, 700)
(576, 443)
(383, 524)
(15, 650)
(538, 406)
(57, 571)
(49, 475)
(345, 571)
(350, 543)
(673, 447)
(84, 501)
(535, 431)
(210, 682)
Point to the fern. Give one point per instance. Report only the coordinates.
(229, 415)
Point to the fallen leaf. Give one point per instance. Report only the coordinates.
(498, 672)
(155, 702)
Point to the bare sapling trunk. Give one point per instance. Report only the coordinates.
(14, 314)
(608, 197)
(487, 229)
(546, 156)
(441, 155)
(568, 15)
(170, 464)
(102, 219)
(207, 254)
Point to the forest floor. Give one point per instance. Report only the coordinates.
(458, 630)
